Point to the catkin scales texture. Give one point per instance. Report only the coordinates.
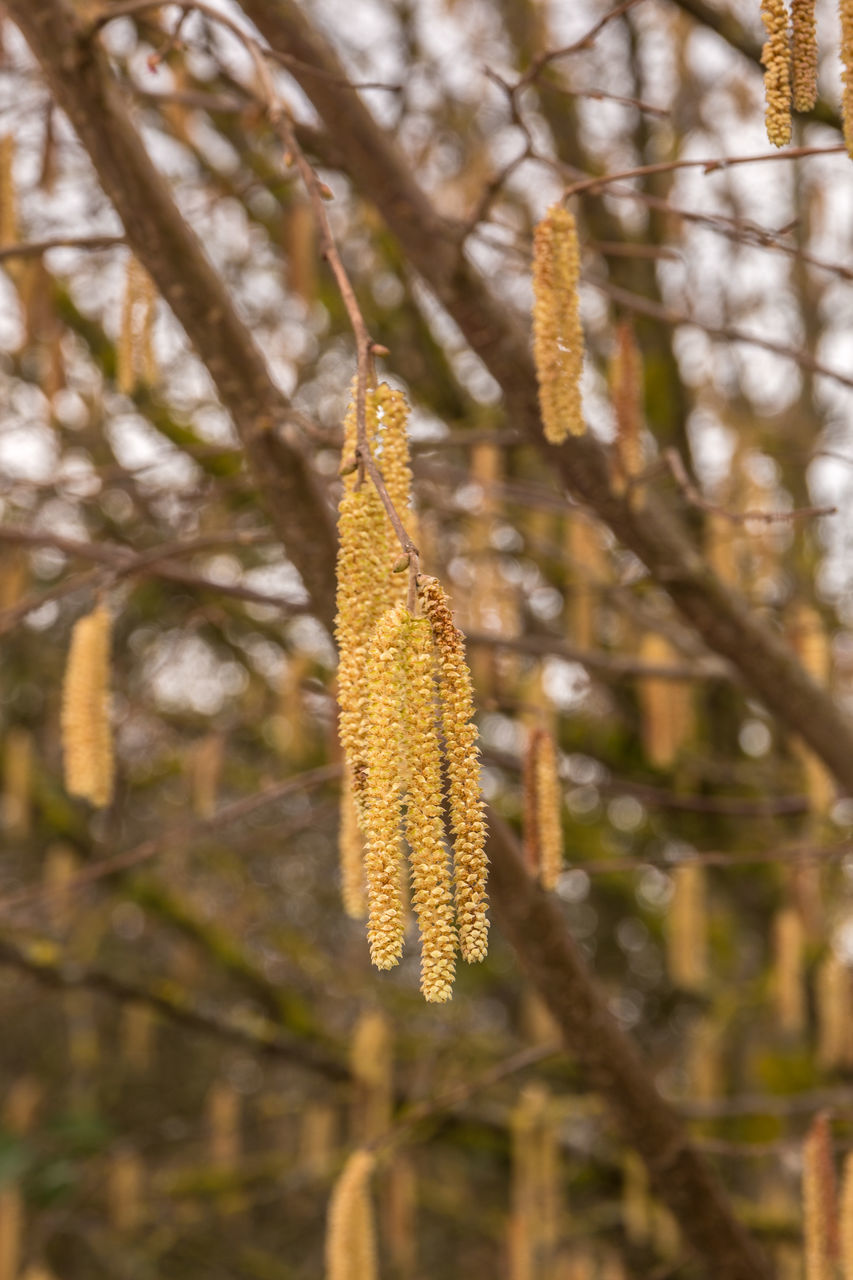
(467, 818)
(776, 57)
(86, 734)
(431, 887)
(845, 13)
(383, 795)
(557, 333)
(804, 53)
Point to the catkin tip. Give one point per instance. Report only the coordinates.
(467, 812)
(776, 58)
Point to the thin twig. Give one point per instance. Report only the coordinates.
(543, 60)
(35, 248)
(149, 849)
(674, 463)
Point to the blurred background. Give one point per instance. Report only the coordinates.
(193, 1038)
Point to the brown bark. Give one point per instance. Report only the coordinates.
(532, 922)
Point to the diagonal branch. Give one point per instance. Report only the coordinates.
(721, 617)
(82, 85)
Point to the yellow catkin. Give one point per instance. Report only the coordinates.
(586, 572)
(626, 387)
(382, 791)
(666, 705)
(400, 1208)
(810, 642)
(290, 724)
(57, 875)
(704, 1074)
(721, 549)
(86, 734)
(431, 881)
(819, 1202)
(134, 349)
(549, 797)
(687, 928)
(557, 333)
(223, 1106)
(125, 346)
(300, 234)
(832, 992)
(206, 759)
(467, 817)
(351, 854)
(804, 53)
(636, 1199)
(124, 1187)
(317, 1139)
(393, 459)
(14, 572)
(845, 1218)
(531, 802)
(535, 1194)
(776, 59)
(788, 986)
(21, 1104)
(17, 781)
(845, 13)
(372, 1068)
(11, 1230)
(350, 1235)
(365, 590)
(666, 1238)
(8, 193)
(146, 357)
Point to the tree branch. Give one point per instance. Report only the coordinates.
(82, 85)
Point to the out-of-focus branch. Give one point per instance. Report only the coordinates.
(135, 857)
(531, 920)
(120, 562)
(83, 86)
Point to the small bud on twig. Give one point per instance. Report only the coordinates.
(401, 565)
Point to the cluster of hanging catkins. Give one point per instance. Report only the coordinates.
(403, 686)
(790, 65)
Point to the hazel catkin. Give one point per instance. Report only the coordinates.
(845, 13)
(86, 734)
(383, 797)
(467, 818)
(431, 895)
(548, 807)
(804, 54)
(350, 1236)
(776, 59)
(557, 333)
